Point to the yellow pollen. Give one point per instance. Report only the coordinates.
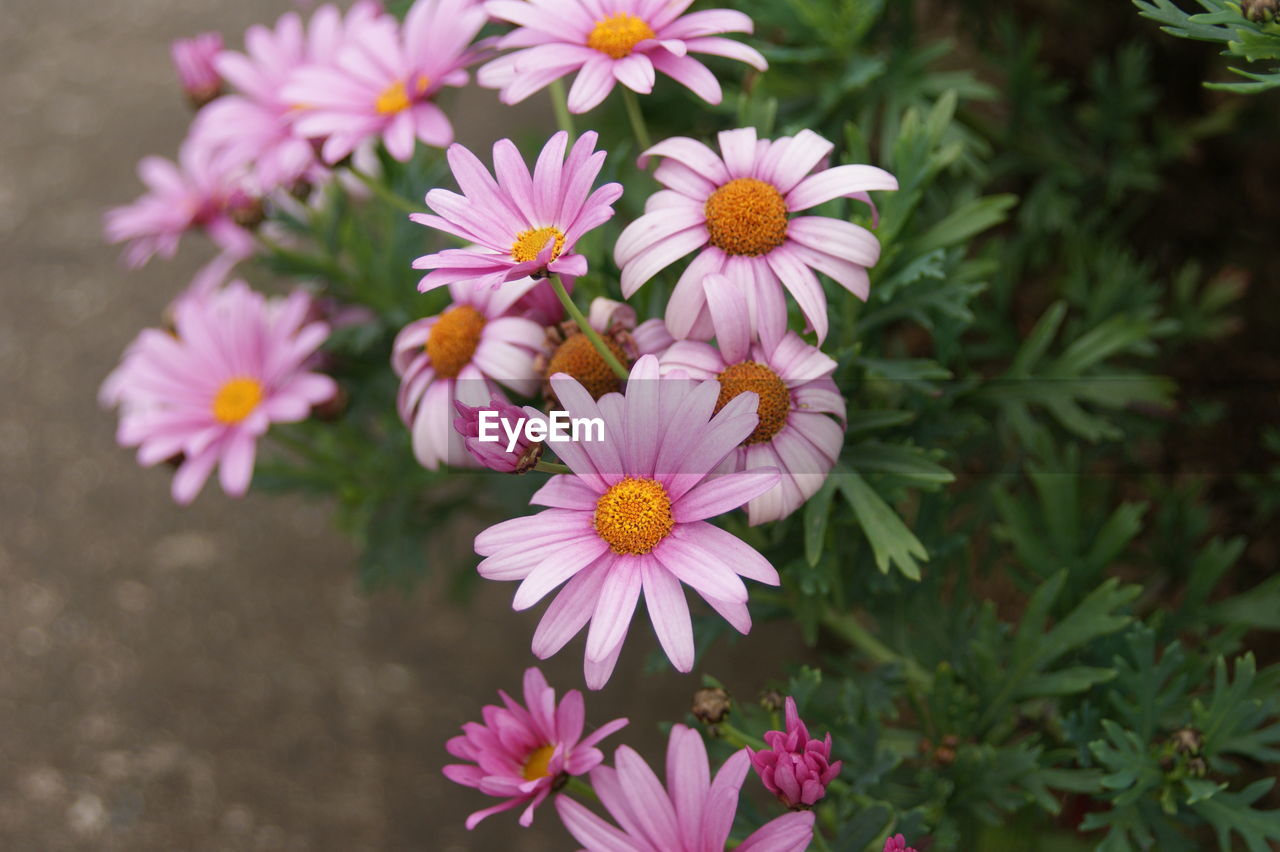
(396, 98)
(634, 515)
(236, 399)
(775, 400)
(577, 357)
(529, 244)
(453, 340)
(747, 216)
(536, 765)
(618, 34)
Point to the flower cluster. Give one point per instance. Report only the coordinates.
(722, 400)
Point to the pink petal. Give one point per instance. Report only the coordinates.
(669, 613)
(730, 315)
(570, 610)
(614, 609)
(592, 85)
(691, 74)
(791, 832)
(688, 779)
(803, 285)
(836, 182)
(693, 154)
(722, 494)
(649, 803)
(556, 569)
(730, 49)
(635, 72)
(591, 831)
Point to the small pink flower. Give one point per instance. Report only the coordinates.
(384, 78)
(198, 192)
(254, 127)
(632, 518)
(521, 224)
(500, 419)
(736, 209)
(234, 364)
(795, 768)
(194, 60)
(523, 753)
(802, 413)
(624, 41)
(694, 813)
(464, 353)
(897, 843)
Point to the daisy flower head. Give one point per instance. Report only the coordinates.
(522, 224)
(254, 127)
(736, 209)
(193, 59)
(383, 80)
(611, 41)
(694, 813)
(234, 364)
(462, 354)
(632, 518)
(802, 413)
(521, 753)
(197, 192)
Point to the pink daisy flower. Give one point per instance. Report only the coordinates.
(254, 128)
(736, 209)
(631, 518)
(193, 58)
(233, 365)
(196, 192)
(798, 400)
(462, 354)
(523, 753)
(522, 224)
(608, 41)
(383, 80)
(693, 814)
(795, 767)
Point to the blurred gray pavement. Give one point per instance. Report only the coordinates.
(207, 678)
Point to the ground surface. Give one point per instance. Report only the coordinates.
(207, 678)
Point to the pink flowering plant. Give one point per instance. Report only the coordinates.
(734, 323)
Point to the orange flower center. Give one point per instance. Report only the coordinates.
(617, 35)
(236, 400)
(529, 244)
(634, 515)
(747, 216)
(535, 766)
(453, 340)
(577, 357)
(397, 98)
(775, 400)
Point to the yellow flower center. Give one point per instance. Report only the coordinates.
(634, 515)
(775, 400)
(618, 34)
(453, 340)
(747, 216)
(577, 357)
(529, 244)
(535, 766)
(236, 399)
(396, 97)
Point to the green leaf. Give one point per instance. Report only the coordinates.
(816, 513)
(891, 541)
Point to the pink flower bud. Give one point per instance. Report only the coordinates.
(795, 768)
(897, 843)
(503, 421)
(193, 57)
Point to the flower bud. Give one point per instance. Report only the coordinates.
(897, 843)
(795, 767)
(193, 58)
(1260, 11)
(493, 454)
(711, 706)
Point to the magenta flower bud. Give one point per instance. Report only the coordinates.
(897, 843)
(795, 768)
(494, 434)
(193, 57)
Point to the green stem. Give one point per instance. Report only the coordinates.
(739, 738)
(560, 103)
(551, 467)
(636, 116)
(851, 630)
(819, 842)
(609, 358)
(580, 789)
(386, 193)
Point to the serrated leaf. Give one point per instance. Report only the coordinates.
(891, 541)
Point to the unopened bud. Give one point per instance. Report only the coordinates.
(711, 705)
